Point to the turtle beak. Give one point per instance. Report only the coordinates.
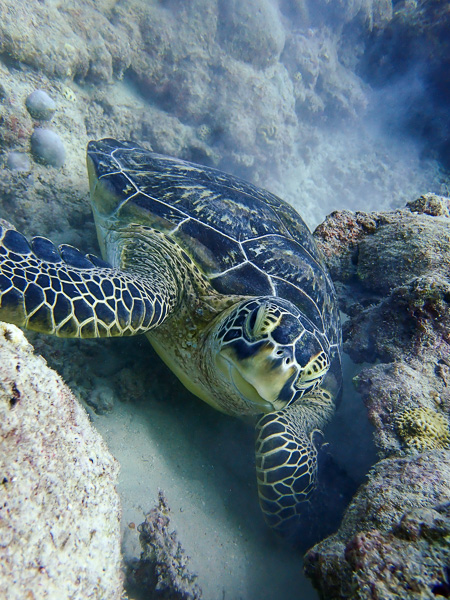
(260, 378)
(104, 197)
(243, 387)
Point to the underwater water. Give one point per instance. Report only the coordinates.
(304, 98)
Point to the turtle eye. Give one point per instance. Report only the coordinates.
(261, 321)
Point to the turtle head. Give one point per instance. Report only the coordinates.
(270, 352)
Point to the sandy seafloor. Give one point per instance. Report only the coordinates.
(204, 462)
(212, 497)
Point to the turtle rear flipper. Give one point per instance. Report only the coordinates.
(286, 458)
(61, 291)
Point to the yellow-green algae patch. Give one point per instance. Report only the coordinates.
(423, 429)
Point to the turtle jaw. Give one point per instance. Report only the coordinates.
(259, 379)
(106, 199)
(245, 389)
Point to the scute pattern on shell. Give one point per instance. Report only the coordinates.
(244, 239)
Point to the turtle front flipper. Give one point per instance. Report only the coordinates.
(62, 292)
(286, 458)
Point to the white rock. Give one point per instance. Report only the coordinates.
(60, 511)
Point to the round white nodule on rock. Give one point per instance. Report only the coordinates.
(40, 105)
(18, 161)
(47, 147)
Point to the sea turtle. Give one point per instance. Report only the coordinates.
(226, 281)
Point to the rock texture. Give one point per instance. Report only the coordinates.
(162, 569)
(59, 509)
(393, 271)
(394, 540)
(266, 90)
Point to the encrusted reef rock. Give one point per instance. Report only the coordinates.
(393, 276)
(394, 539)
(245, 86)
(251, 30)
(59, 508)
(162, 569)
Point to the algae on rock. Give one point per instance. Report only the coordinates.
(392, 273)
(60, 510)
(162, 569)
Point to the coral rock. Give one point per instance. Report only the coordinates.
(163, 563)
(423, 429)
(60, 511)
(393, 541)
(251, 31)
(392, 275)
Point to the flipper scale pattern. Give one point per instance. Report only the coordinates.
(62, 292)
